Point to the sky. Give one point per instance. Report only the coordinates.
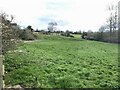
(73, 15)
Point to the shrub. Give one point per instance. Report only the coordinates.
(27, 35)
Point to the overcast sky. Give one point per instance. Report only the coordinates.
(73, 15)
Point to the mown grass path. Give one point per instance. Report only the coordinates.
(57, 62)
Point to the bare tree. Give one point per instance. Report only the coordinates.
(112, 21)
(51, 26)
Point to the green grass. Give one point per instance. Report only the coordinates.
(77, 36)
(59, 62)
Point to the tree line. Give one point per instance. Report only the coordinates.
(108, 32)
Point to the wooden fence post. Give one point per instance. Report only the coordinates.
(2, 84)
(1, 78)
(1, 72)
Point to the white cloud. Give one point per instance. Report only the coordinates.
(76, 14)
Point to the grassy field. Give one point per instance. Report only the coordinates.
(59, 62)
